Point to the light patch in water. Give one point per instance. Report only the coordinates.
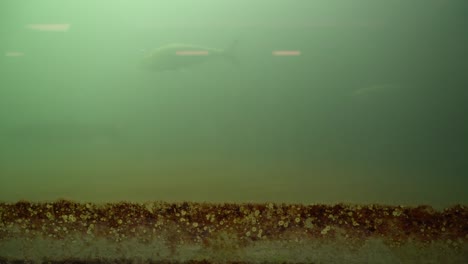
(14, 54)
(49, 27)
(286, 53)
(192, 53)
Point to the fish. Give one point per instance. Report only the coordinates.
(52, 132)
(178, 56)
(374, 89)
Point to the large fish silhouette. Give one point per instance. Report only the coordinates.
(173, 57)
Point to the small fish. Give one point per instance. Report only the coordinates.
(60, 132)
(374, 89)
(175, 57)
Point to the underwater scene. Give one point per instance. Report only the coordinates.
(222, 131)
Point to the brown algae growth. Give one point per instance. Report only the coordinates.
(241, 233)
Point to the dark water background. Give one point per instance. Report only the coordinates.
(373, 110)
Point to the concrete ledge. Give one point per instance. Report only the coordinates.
(158, 232)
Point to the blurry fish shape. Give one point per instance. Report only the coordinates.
(61, 132)
(374, 89)
(173, 57)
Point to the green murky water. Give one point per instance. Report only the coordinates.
(367, 103)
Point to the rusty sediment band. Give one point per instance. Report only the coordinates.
(159, 232)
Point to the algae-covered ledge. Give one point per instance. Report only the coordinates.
(189, 230)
